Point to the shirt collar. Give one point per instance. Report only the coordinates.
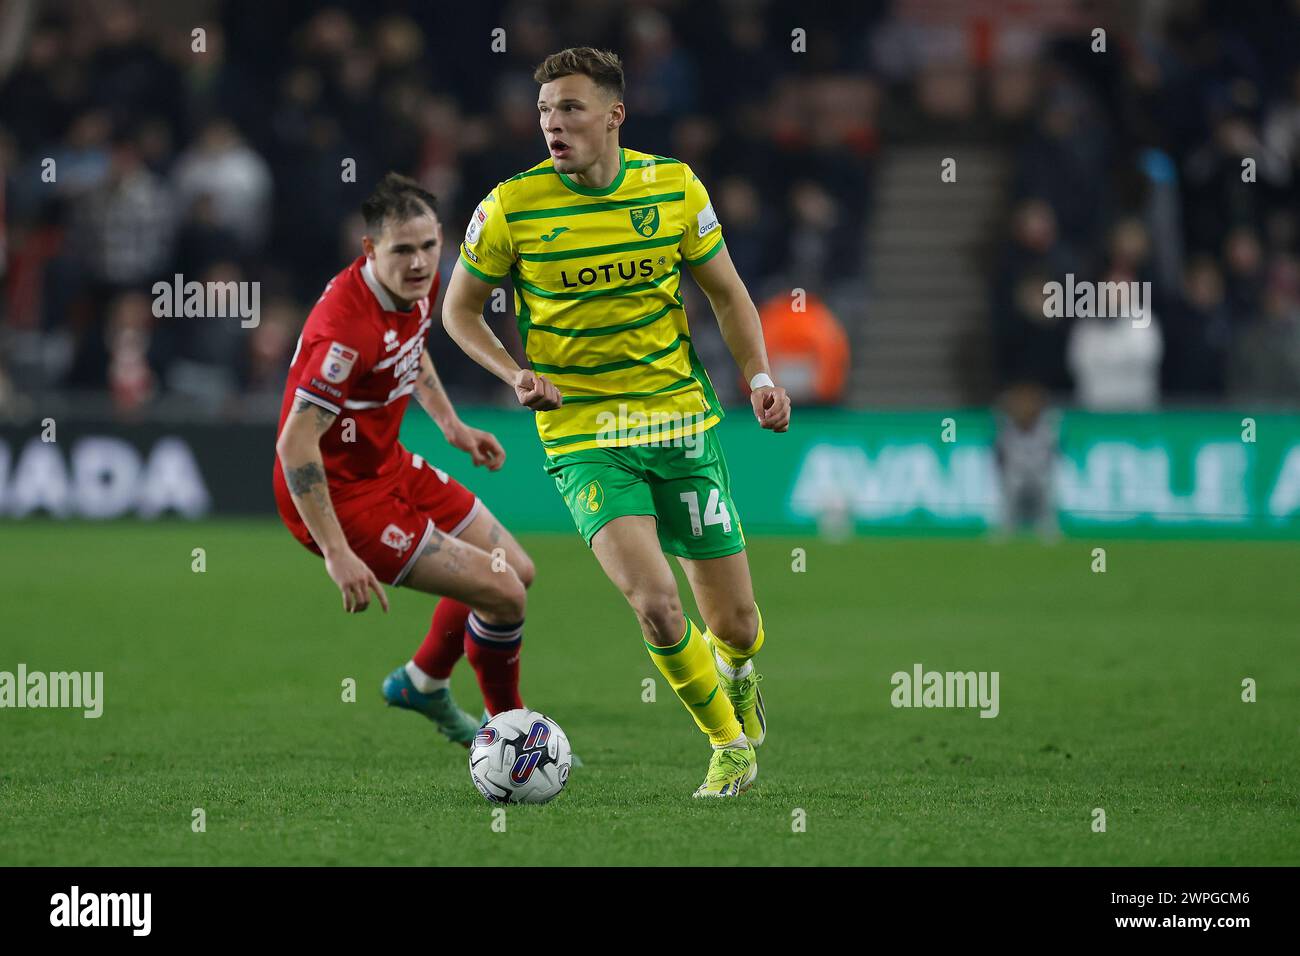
(385, 300)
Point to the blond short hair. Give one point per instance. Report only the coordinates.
(603, 66)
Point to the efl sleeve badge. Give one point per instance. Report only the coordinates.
(338, 362)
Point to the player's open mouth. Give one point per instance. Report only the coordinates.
(559, 149)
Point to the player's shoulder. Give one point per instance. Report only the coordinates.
(536, 187)
(661, 168)
(341, 296)
(522, 188)
(346, 309)
(544, 169)
(635, 159)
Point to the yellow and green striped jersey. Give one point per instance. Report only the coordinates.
(596, 274)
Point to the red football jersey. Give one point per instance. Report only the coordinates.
(358, 357)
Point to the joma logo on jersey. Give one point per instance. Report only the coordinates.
(645, 220)
(588, 275)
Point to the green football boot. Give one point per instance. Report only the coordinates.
(732, 771)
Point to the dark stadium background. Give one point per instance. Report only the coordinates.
(905, 311)
(820, 130)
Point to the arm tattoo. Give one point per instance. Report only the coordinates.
(324, 417)
(304, 478)
(429, 389)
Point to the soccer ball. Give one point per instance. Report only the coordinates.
(520, 756)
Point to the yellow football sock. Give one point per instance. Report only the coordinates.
(688, 668)
(734, 655)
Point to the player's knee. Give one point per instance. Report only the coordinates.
(526, 570)
(507, 602)
(660, 613)
(737, 626)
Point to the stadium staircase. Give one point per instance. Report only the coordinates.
(926, 337)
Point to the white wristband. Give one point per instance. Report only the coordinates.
(761, 380)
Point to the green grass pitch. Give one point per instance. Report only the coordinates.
(223, 691)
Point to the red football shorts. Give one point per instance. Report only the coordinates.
(389, 526)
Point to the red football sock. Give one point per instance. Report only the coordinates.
(493, 651)
(445, 642)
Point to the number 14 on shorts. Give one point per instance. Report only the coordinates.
(715, 511)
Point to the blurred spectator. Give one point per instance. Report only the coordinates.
(1199, 333)
(1129, 252)
(202, 239)
(127, 72)
(213, 87)
(39, 97)
(1026, 447)
(1029, 345)
(748, 225)
(81, 161)
(221, 168)
(1218, 196)
(124, 230)
(131, 381)
(10, 403)
(1266, 361)
(820, 245)
(1159, 207)
(1243, 254)
(207, 350)
(660, 77)
(1282, 133)
(808, 349)
(1066, 161)
(1116, 360)
(268, 350)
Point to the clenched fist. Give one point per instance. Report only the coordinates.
(536, 391)
(771, 407)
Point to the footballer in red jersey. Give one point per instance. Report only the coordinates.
(378, 514)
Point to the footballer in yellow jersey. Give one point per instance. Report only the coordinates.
(594, 240)
(596, 275)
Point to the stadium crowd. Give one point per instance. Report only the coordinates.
(229, 164)
(133, 151)
(1173, 159)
